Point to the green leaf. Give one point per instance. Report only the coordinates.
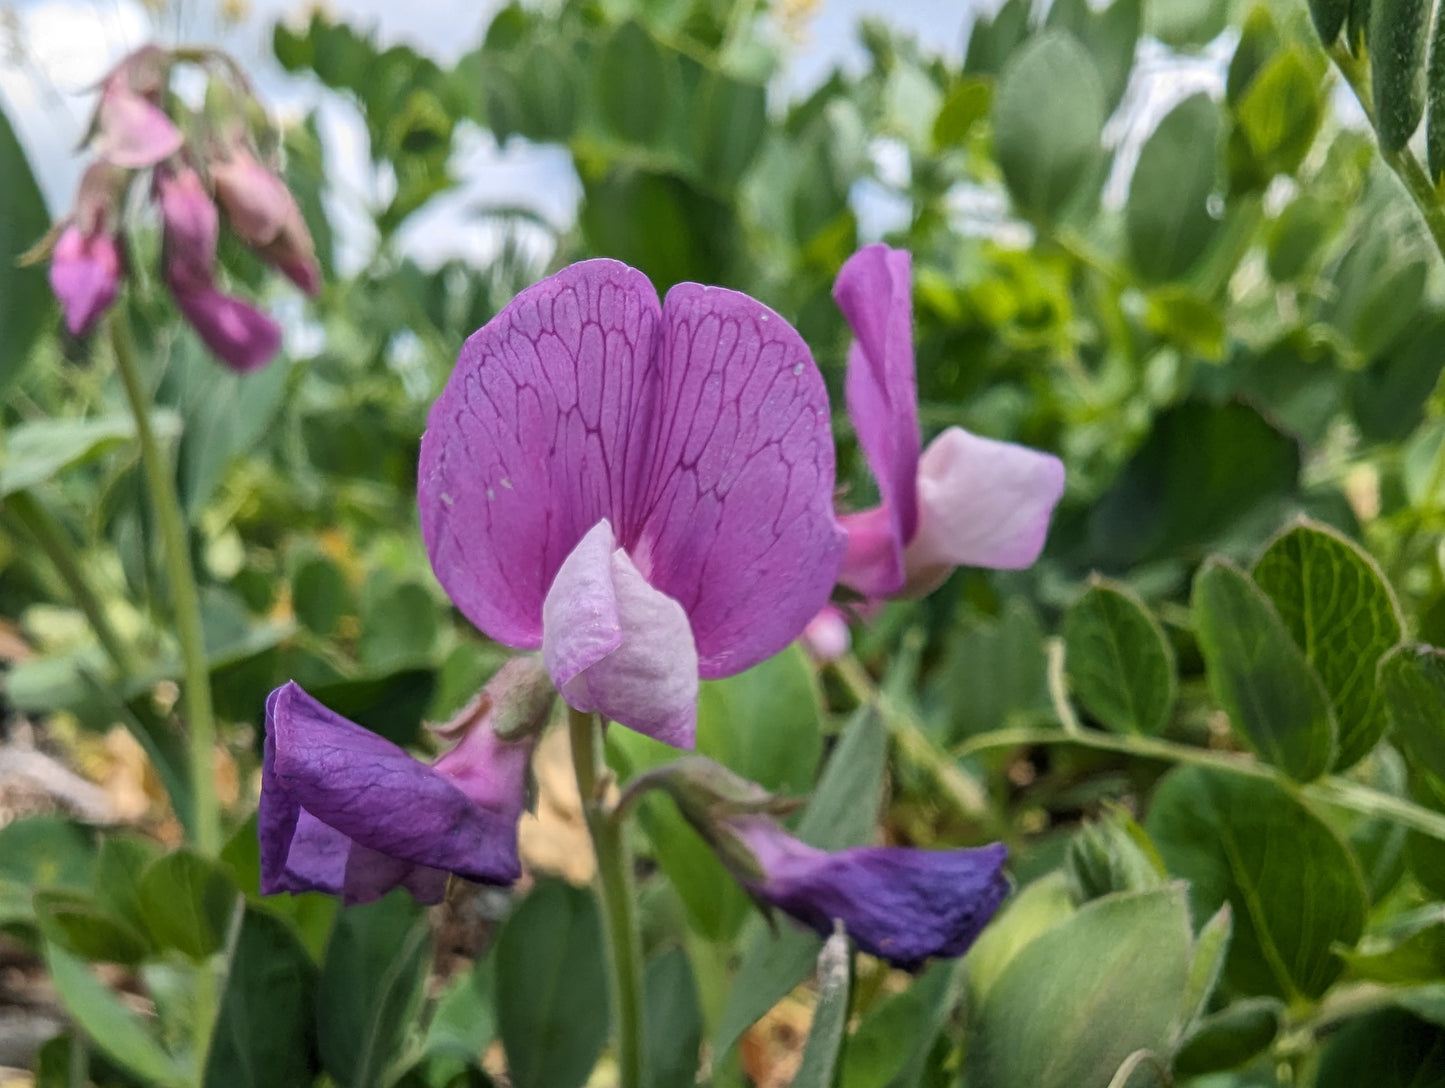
(1412, 679)
(1111, 855)
(673, 1021)
(891, 1045)
(265, 1030)
(372, 984)
(830, 1016)
(1116, 973)
(1110, 36)
(994, 673)
(1048, 117)
(729, 120)
(552, 988)
(81, 927)
(1210, 950)
(25, 310)
(1260, 677)
(1230, 1037)
(465, 1020)
(118, 869)
(1296, 235)
(1388, 397)
(1119, 663)
(1202, 472)
(1167, 220)
(764, 723)
(841, 813)
(635, 85)
(1417, 956)
(1398, 30)
(1186, 24)
(1281, 112)
(1384, 1049)
(968, 102)
(38, 449)
(42, 852)
(320, 594)
(187, 902)
(398, 627)
(992, 40)
(1293, 888)
(1340, 612)
(1181, 317)
(1035, 910)
(122, 1034)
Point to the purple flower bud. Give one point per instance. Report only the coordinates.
(347, 812)
(130, 129)
(901, 905)
(264, 215)
(237, 333)
(85, 276)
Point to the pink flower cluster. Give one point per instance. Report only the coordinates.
(194, 183)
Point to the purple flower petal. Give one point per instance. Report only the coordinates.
(237, 333)
(85, 276)
(614, 644)
(334, 794)
(132, 132)
(192, 225)
(983, 503)
(901, 905)
(873, 290)
(698, 430)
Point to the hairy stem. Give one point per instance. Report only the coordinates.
(614, 877)
(205, 823)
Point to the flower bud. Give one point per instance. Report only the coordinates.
(87, 261)
(130, 129)
(517, 701)
(264, 215)
(1111, 855)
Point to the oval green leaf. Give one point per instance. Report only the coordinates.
(1167, 220)
(1119, 663)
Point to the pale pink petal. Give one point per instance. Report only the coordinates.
(873, 563)
(132, 132)
(739, 522)
(827, 638)
(873, 290)
(615, 645)
(983, 503)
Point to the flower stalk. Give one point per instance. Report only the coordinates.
(614, 876)
(205, 822)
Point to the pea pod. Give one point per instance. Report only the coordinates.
(1397, 36)
(1329, 17)
(1435, 100)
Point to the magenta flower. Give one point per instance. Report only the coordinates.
(899, 904)
(264, 215)
(347, 812)
(85, 274)
(130, 129)
(237, 333)
(966, 500)
(643, 491)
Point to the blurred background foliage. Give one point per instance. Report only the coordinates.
(1222, 311)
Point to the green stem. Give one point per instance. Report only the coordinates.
(200, 725)
(1403, 162)
(614, 876)
(55, 542)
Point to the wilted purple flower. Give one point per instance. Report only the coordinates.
(237, 333)
(899, 904)
(643, 491)
(347, 812)
(966, 500)
(264, 215)
(130, 129)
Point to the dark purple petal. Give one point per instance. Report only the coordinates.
(615, 645)
(901, 905)
(874, 291)
(237, 333)
(334, 794)
(541, 432)
(707, 448)
(739, 524)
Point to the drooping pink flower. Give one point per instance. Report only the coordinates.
(87, 261)
(130, 129)
(237, 333)
(345, 811)
(643, 491)
(264, 215)
(966, 500)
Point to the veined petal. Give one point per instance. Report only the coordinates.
(616, 645)
(902, 905)
(739, 525)
(542, 431)
(983, 503)
(332, 790)
(874, 291)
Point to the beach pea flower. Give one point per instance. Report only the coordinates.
(237, 333)
(347, 812)
(264, 215)
(130, 129)
(965, 500)
(897, 903)
(643, 491)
